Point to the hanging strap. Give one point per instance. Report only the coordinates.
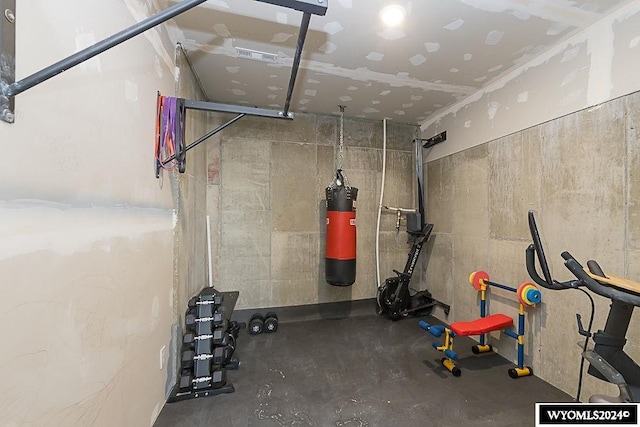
(339, 178)
(341, 142)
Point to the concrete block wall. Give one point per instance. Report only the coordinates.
(579, 174)
(266, 203)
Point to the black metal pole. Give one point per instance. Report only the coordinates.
(420, 178)
(85, 54)
(205, 137)
(304, 26)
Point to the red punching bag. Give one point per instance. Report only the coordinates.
(340, 254)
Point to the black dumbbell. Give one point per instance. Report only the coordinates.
(203, 345)
(220, 337)
(221, 355)
(208, 304)
(211, 298)
(256, 324)
(202, 367)
(186, 379)
(188, 340)
(192, 302)
(270, 322)
(191, 311)
(187, 358)
(219, 378)
(202, 383)
(206, 325)
(205, 310)
(190, 321)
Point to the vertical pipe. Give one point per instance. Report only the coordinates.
(420, 180)
(209, 252)
(483, 306)
(384, 167)
(304, 25)
(448, 339)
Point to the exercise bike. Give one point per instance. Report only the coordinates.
(608, 360)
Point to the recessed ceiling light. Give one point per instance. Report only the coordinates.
(393, 15)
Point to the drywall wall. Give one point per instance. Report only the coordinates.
(88, 298)
(190, 198)
(592, 67)
(266, 200)
(579, 174)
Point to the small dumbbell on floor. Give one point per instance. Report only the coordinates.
(256, 324)
(270, 322)
(259, 323)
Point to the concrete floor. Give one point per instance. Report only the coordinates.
(362, 371)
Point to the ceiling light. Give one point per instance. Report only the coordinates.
(257, 55)
(393, 15)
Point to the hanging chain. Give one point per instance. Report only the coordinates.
(341, 145)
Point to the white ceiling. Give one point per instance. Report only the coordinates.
(445, 51)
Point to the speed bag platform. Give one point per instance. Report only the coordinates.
(340, 254)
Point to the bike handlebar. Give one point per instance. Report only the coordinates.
(583, 278)
(533, 273)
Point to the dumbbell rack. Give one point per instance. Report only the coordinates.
(208, 345)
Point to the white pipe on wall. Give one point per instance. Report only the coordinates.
(384, 166)
(209, 252)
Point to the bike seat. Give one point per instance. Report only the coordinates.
(611, 287)
(617, 282)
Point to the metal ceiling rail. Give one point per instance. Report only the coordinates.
(304, 25)
(308, 7)
(10, 88)
(238, 109)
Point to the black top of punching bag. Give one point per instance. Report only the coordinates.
(340, 197)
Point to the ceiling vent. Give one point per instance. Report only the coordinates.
(256, 55)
